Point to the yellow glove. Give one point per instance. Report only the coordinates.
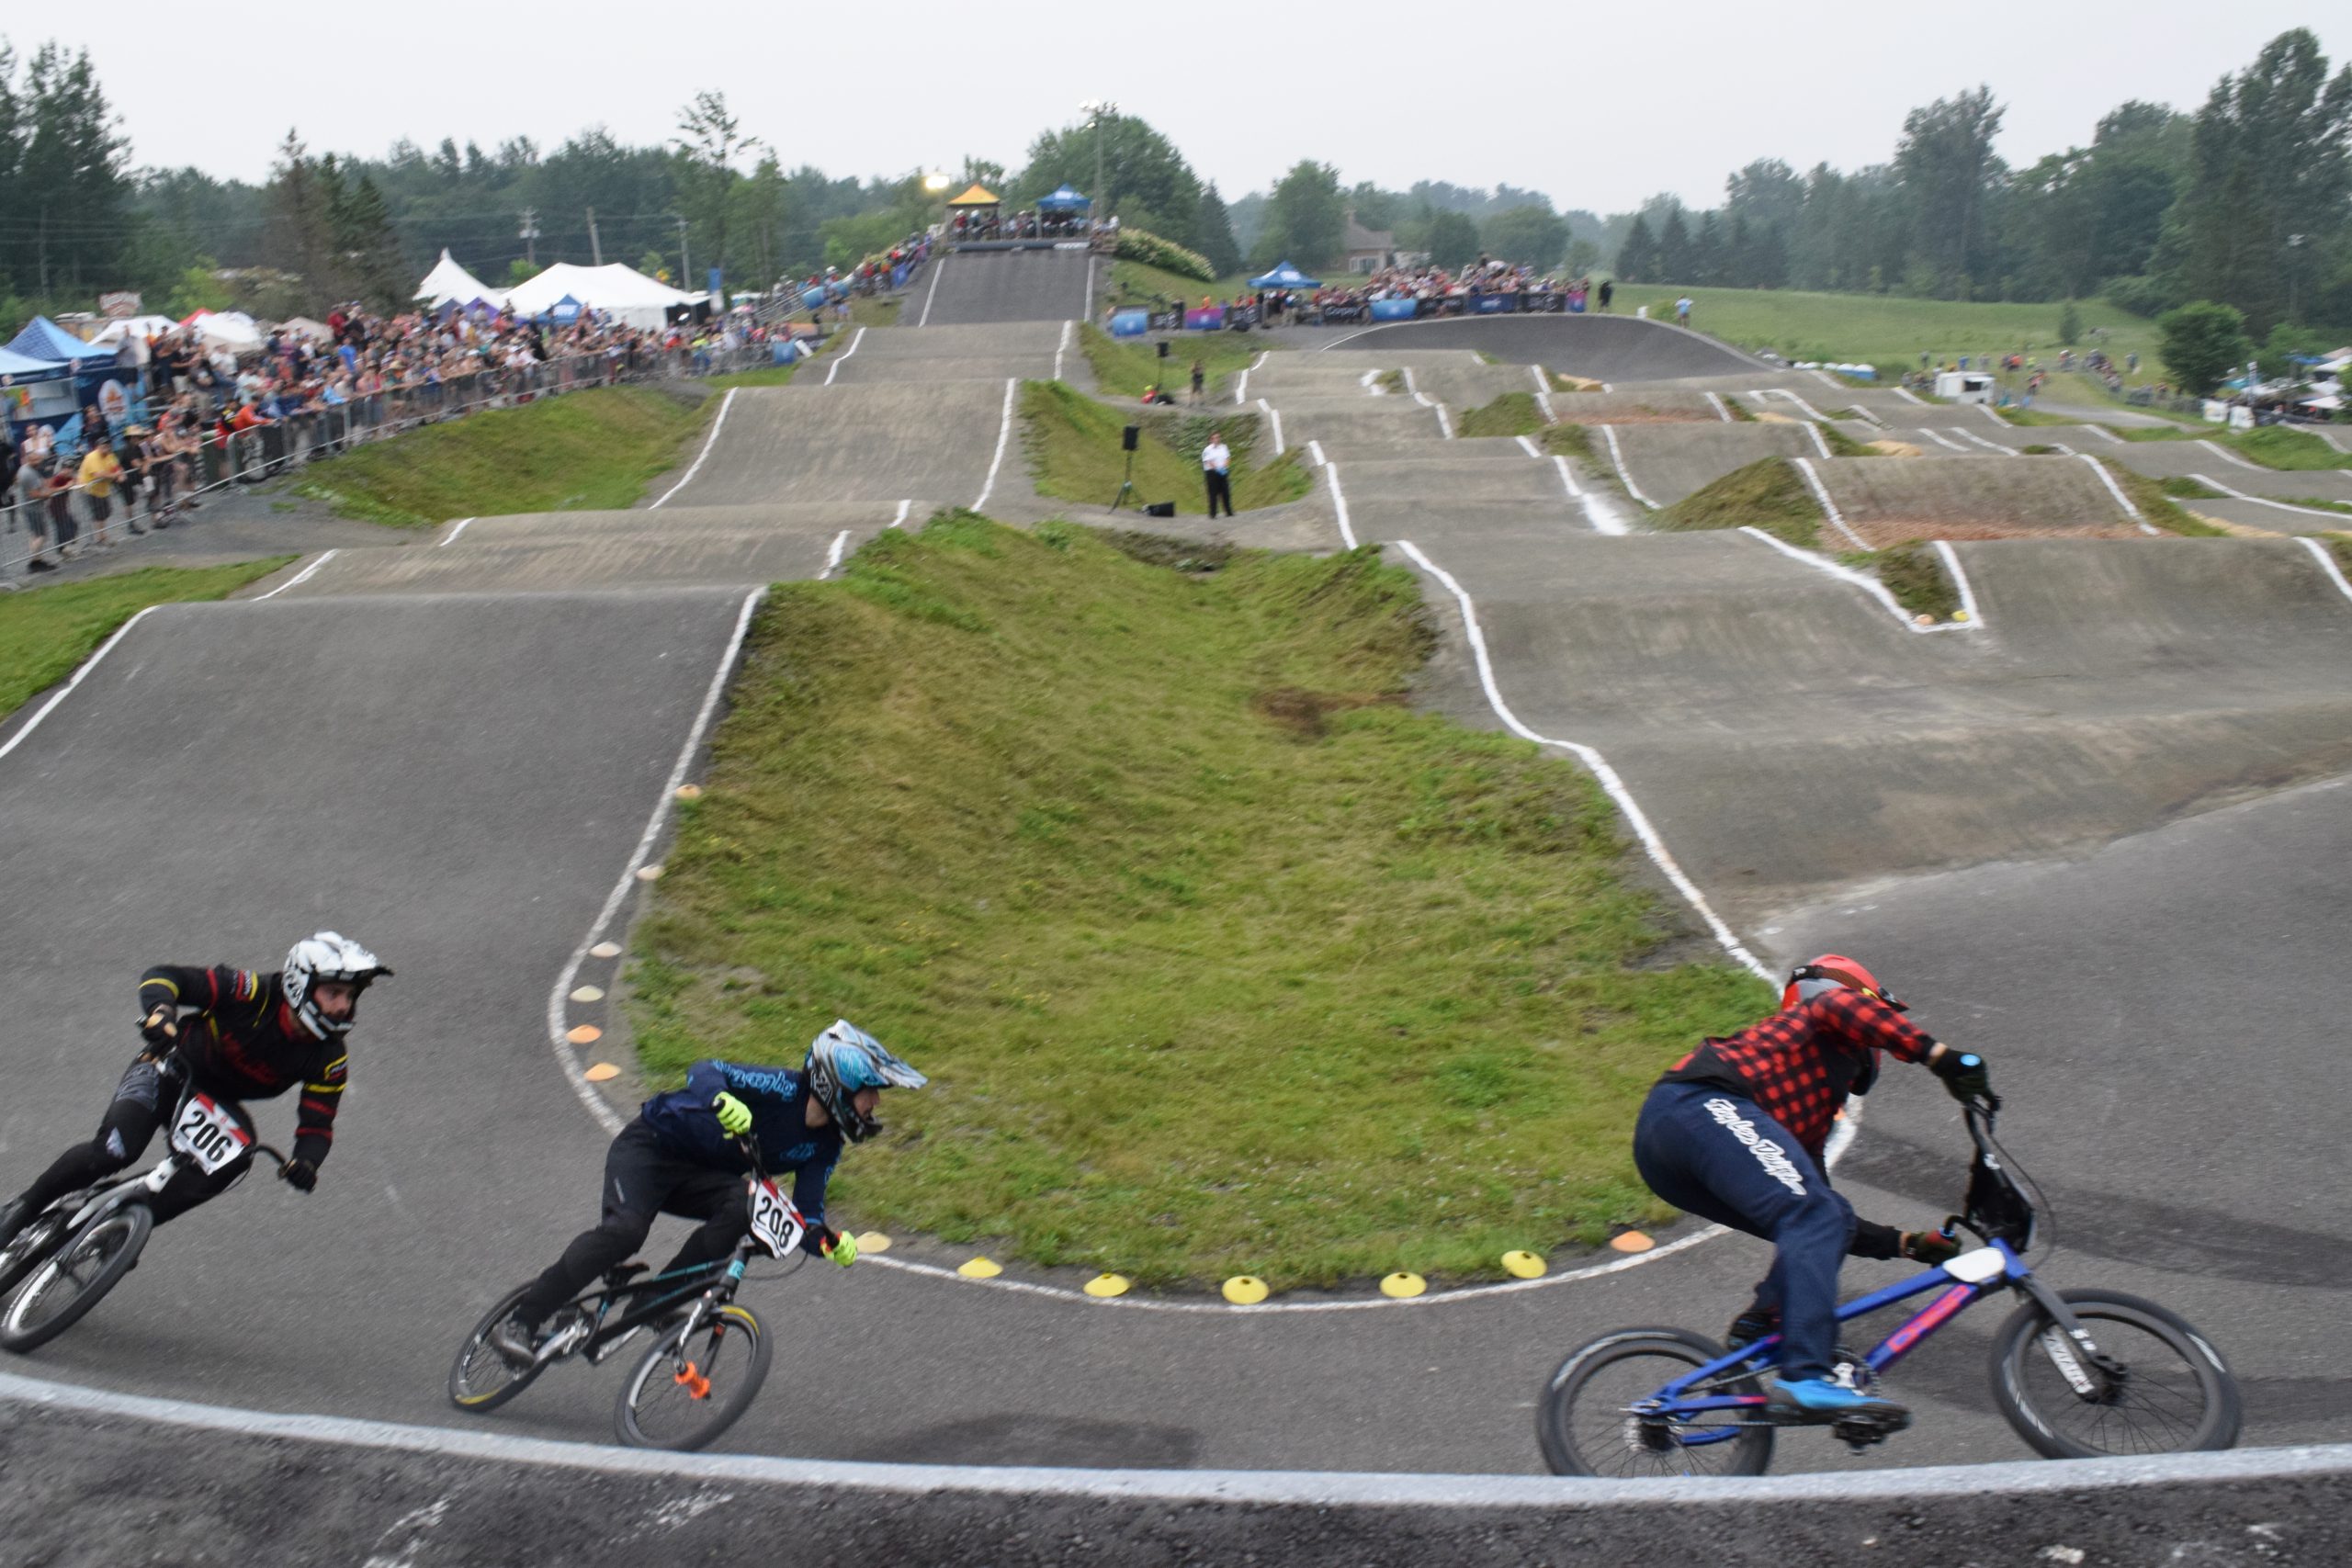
(843, 1250)
(734, 1116)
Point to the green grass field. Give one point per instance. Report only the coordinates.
(584, 451)
(1889, 331)
(1220, 958)
(1072, 443)
(2272, 445)
(45, 632)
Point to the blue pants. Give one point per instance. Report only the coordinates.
(1714, 1153)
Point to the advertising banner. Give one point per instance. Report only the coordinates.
(1130, 323)
(1209, 320)
(1394, 309)
(1493, 304)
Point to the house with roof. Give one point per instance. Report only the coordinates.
(1366, 250)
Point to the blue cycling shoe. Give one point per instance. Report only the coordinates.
(1825, 1400)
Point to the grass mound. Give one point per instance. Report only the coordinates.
(2185, 487)
(2155, 503)
(2272, 445)
(584, 451)
(1074, 452)
(1566, 441)
(1771, 495)
(1221, 958)
(1914, 574)
(45, 632)
(1123, 368)
(1513, 414)
(1841, 444)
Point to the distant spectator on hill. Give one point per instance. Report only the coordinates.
(1216, 470)
(1682, 312)
(1607, 291)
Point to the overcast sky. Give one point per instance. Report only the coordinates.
(1597, 105)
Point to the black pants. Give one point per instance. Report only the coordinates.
(1220, 489)
(642, 1180)
(141, 1100)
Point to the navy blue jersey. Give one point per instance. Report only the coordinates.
(778, 1099)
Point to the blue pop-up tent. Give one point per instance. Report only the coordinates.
(44, 339)
(1284, 275)
(25, 367)
(1064, 200)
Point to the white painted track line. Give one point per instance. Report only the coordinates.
(607, 1117)
(859, 337)
(708, 442)
(1003, 436)
(80, 673)
(451, 536)
(2319, 553)
(1829, 507)
(298, 579)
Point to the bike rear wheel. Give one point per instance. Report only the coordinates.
(691, 1386)
(31, 1250)
(481, 1380)
(76, 1278)
(2176, 1395)
(1585, 1428)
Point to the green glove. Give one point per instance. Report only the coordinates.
(844, 1249)
(734, 1116)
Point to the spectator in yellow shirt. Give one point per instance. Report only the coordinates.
(100, 471)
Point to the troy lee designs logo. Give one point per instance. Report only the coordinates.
(1770, 1155)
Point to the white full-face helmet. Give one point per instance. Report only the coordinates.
(329, 955)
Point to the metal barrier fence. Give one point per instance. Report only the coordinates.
(280, 447)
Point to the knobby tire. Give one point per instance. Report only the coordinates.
(1580, 1424)
(478, 1396)
(2180, 1397)
(739, 1366)
(111, 1244)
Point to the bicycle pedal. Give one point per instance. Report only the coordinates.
(1860, 1431)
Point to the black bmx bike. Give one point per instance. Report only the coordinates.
(63, 1262)
(709, 1353)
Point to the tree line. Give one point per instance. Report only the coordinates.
(2246, 203)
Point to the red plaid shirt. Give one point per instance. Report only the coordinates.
(1800, 1064)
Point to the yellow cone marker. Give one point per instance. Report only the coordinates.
(1107, 1285)
(981, 1269)
(873, 1241)
(648, 874)
(690, 791)
(1523, 1264)
(606, 950)
(601, 1073)
(1632, 1241)
(589, 994)
(1245, 1289)
(1960, 615)
(1403, 1286)
(586, 1034)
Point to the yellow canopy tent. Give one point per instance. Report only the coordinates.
(977, 197)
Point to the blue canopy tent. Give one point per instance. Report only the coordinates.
(1284, 275)
(25, 367)
(565, 310)
(1064, 200)
(44, 339)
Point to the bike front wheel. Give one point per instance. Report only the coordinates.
(76, 1278)
(32, 1247)
(481, 1380)
(1587, 1426)
(2174, 1395)
(692, 1385)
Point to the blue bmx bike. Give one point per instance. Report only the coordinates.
(2078, 1374)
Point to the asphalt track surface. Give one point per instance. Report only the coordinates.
(2007, 821)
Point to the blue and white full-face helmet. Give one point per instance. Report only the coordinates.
(328, 955)
(844, 1060)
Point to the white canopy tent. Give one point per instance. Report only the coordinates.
(137, 329)
(233, 329)
(622, 292)
(449, 283)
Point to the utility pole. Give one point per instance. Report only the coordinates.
(685, 261)
(595, 245)
(1101, 109)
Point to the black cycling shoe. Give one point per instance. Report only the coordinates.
(518, 1344)
(1755, 1323)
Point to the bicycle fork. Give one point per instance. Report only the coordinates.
(2091, 1373)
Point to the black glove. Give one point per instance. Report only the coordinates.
(1931, 1248)
(1964, 1073)
(301, 1173)
(159, 1030)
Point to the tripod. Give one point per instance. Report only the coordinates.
(1126, 484)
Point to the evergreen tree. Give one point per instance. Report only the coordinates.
(1213, 231)
(1637, 258)
(1451, 239)
(1306, 218)
(1674, 257)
